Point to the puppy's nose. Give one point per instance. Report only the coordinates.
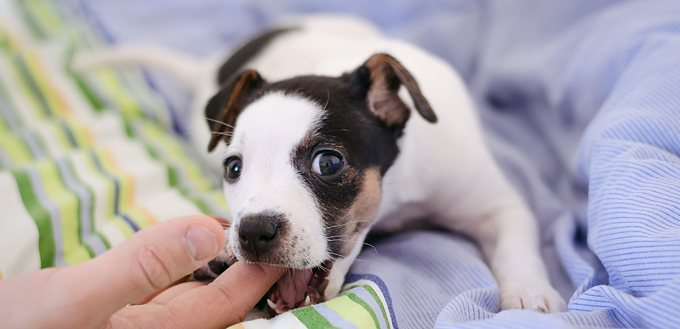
(259, 233)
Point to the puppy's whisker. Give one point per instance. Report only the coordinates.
(350, 223)
(343, 240)
(349, 237)
(327, 100)
(340, 236)
(343, 257)
(323, 268)
(223, 134)
(344, 235)
(370, 245)
(220, 122)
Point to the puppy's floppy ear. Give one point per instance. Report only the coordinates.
(386, 76)
(223, 108)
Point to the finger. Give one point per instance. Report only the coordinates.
(174, 291)
(224, 302)
(149, 261)
(155, 294)
(229, 298)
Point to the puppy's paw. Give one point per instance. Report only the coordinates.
(531, 296)
(218, 265)
(334, 286)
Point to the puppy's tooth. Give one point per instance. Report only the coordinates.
(308, 301)
(271, 305)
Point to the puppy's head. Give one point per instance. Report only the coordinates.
(304, 164)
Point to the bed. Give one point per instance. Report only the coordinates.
(580, 102)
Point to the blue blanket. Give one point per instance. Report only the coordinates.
(581, 104)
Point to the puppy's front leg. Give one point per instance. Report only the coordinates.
(508, 236)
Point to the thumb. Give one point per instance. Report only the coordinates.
(150, 260)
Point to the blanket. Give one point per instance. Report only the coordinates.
(579, 102)
(86, 160)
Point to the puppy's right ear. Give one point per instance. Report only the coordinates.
(380, 77)
(223, 108)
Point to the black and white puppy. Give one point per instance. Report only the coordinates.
(314, 131)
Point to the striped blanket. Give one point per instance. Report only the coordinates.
(86, 160)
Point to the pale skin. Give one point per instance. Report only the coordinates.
(145, 271)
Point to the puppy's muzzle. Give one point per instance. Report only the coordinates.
(260, 233)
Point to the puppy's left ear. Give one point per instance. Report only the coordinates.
(223, 108)
(386, 76)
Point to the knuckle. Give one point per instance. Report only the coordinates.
(227, 294)
(238, 309)
(173, 319)
(155, 272)
(108, 324)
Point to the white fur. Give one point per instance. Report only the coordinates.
(266, 135)
(341, 266)
(183, 68)
(443, 172)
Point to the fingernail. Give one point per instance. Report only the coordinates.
(200, 243)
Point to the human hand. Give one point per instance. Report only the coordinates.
(94, 294)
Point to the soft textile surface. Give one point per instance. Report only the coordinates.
(581, 102)
(85, 160)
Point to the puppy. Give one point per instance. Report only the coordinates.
(327, 130)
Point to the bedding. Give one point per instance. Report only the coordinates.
(580, 101)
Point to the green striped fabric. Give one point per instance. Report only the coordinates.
(86, 160)
(360, 305)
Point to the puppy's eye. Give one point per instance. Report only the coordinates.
(234, 167)
(327, 163)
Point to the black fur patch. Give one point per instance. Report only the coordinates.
(246, 53)
(349, 128)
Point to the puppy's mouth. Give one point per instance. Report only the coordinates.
(296, 288)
